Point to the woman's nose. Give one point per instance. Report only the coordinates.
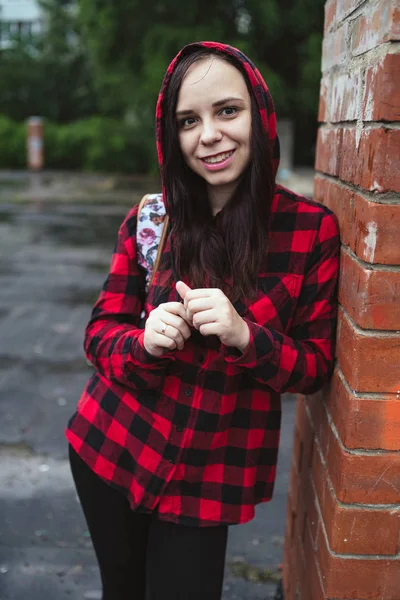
(210, 133)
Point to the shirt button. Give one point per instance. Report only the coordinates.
(179, 428)
(188, 392)
(171, 461)
(201, 358)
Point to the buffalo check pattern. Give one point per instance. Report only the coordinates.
(194, 435)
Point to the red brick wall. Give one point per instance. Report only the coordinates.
(343, 524)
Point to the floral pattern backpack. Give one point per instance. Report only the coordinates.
(150, 234)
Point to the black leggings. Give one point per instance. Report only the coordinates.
(142, 558)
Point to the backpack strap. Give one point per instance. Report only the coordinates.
(160, 248)
(163, 237)
(141, 204)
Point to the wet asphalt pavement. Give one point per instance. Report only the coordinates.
(53, 260)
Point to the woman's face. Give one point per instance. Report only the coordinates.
(214, 123)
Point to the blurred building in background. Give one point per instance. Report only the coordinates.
(19, 19)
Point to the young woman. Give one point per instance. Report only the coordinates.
(176, 434)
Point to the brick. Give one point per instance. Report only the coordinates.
(297, 450)
(289, 557)
(392, 171)
(370, 159)
(378, 24)
(312, 520)
(348, 167)
(382, 90)
(344, 98)
(315, 405)
(360, 531)
(374, 231)
(318, 477)
(346, 7)
(330, 14)
(289, 518)
(306, 513)
(379, 151)
(288, 571)
(396, 22)
(334, 48)
(306, 496)
(301, 415)
(292, 509)
(303, 590)
(338, 199)
(352, 578)
(324, 100)
(372, 478)
(324, 435)
(295, 493)
(370, 297)
(329, 144)
(363, 423)
(316, 587)
(305, 436)
(356, 530)
(369, 361)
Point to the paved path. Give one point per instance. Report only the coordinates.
(53, 260)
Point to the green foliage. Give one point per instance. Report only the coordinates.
(49, 75)
(99, 66)
(12, 144)
(94, 144)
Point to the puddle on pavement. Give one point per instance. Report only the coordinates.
(41, 366)
(78, 229)
(6, 269)
(93, 230)
(20, 449)
(6, 217)
(100, 267)
(13, 184)
(253, 573)
(82, 231)
(79, 296)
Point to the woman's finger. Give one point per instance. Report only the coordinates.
(177, 322)
(205, 316)
(195, 306)
(174, 308)
(210, 329)
(162, 341)
(175, 335)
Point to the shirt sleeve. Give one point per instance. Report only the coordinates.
(303, 360)
(113, 341)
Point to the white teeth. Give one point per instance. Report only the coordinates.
(218, 158)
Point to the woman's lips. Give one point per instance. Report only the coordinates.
(217, 166)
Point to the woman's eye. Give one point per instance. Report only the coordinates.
(229, 111)
(187, 122)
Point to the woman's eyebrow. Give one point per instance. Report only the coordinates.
(225, 100)
(214, 104)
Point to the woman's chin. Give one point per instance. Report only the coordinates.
(220, 179)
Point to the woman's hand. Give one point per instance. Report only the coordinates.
(212, 313)
(166, 329)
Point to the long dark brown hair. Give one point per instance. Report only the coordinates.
(228, 255)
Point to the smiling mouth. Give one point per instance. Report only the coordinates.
(218, 158)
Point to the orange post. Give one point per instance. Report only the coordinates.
(34, 143)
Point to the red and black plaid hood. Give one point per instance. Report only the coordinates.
(260, 89)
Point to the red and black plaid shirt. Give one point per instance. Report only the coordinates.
(194, 435)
